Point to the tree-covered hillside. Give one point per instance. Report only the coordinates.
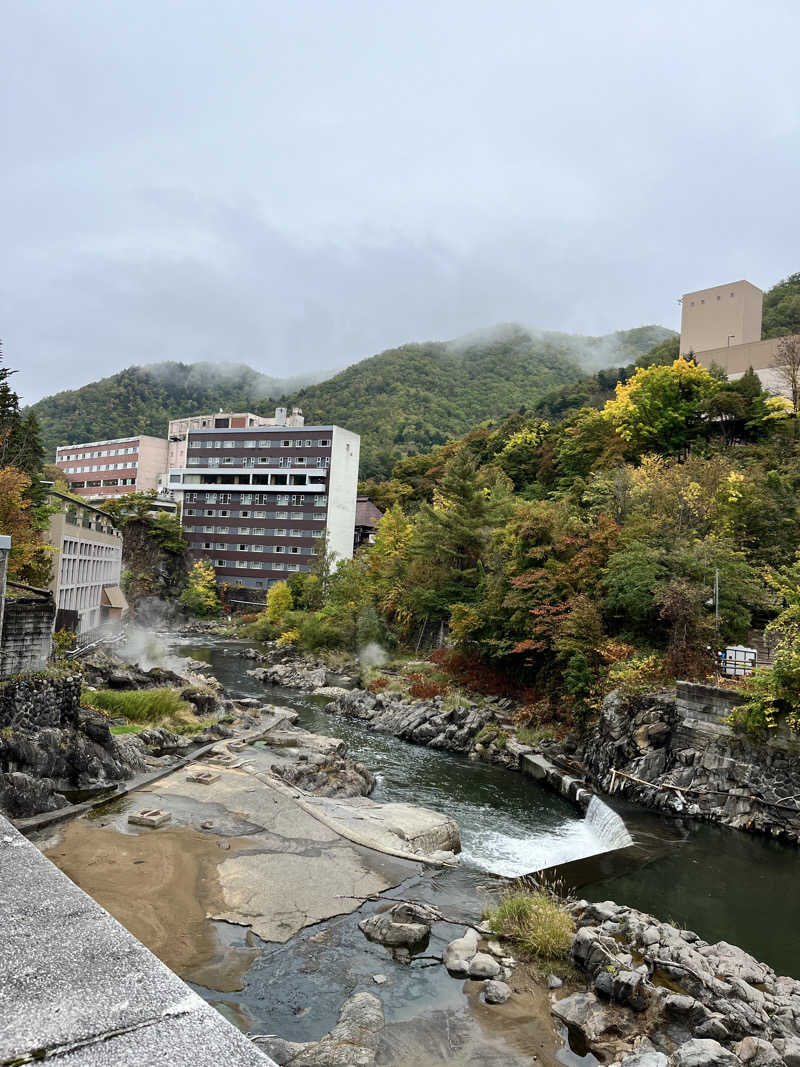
(144, 399)
(403, 401)
(409, 399)
(782, 308)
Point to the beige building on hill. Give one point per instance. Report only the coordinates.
(87, 565)
(722, 326)
(103, 470)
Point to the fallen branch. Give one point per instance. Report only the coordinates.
(701, 792)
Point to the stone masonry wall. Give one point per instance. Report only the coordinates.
(27, 634)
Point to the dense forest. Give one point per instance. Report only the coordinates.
(569, 557)
(141, 400)
(402, 401)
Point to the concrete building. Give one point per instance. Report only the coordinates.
(259, 499)
(178, 429)
(87, 567)
(102, 470)
(723, 317)
(722, 326)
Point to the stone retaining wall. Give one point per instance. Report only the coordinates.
(27, 634)
(676, 752)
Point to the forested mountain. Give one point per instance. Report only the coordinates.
(782, 308)
(402, 401)
(409, 399)
(144, 399)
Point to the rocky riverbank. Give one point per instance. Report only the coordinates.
(677, 754)
(674, 753)
(659, 996)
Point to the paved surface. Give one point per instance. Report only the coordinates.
(77, 988)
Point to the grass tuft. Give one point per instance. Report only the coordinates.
(535, 922)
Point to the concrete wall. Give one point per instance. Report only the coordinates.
(725, 314)
(152, 462)
(27, 634)
(77, 986)
(342, 491)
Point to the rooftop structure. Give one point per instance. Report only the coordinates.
(103, 470)
(222, 420)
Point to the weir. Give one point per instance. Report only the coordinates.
(607, 825)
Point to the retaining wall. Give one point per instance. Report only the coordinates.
(27, 634)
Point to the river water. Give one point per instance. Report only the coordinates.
(724, 884)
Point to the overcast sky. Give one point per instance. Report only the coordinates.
(301, 184)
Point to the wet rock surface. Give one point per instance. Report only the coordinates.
(660, 995)
(353, 1042)
(50, 746)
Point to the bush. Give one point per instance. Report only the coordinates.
(289, 637)
(261, 629)
(535, 922)
(321, 631)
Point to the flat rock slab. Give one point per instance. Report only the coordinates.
(303, 873)
(403, 827)
(73, 980)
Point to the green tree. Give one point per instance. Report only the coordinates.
(279, 602)
(660, 408)
(201, 596)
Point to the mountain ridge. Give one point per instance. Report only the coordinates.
(402, 400)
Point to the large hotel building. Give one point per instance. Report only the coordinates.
(102, 470)
(259, 495)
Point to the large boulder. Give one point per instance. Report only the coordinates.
(353, 1042)
(459, 953)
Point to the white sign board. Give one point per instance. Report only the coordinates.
(738, 661)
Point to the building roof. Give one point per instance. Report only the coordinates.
(367, 514)
(79, 502)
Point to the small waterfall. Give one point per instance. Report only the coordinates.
(607, 825)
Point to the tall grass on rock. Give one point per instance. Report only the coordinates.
(535, 922)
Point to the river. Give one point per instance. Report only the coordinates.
(724, 884)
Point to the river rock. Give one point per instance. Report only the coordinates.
(583, 1013)
(789, 1049)
(385, 931)
(482, 965)
(353, 1042)
(495, 992)
(458, 954)
(754, 1052)
(643, 1059)
(701, 1052)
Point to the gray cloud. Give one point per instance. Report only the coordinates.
(299, 186)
